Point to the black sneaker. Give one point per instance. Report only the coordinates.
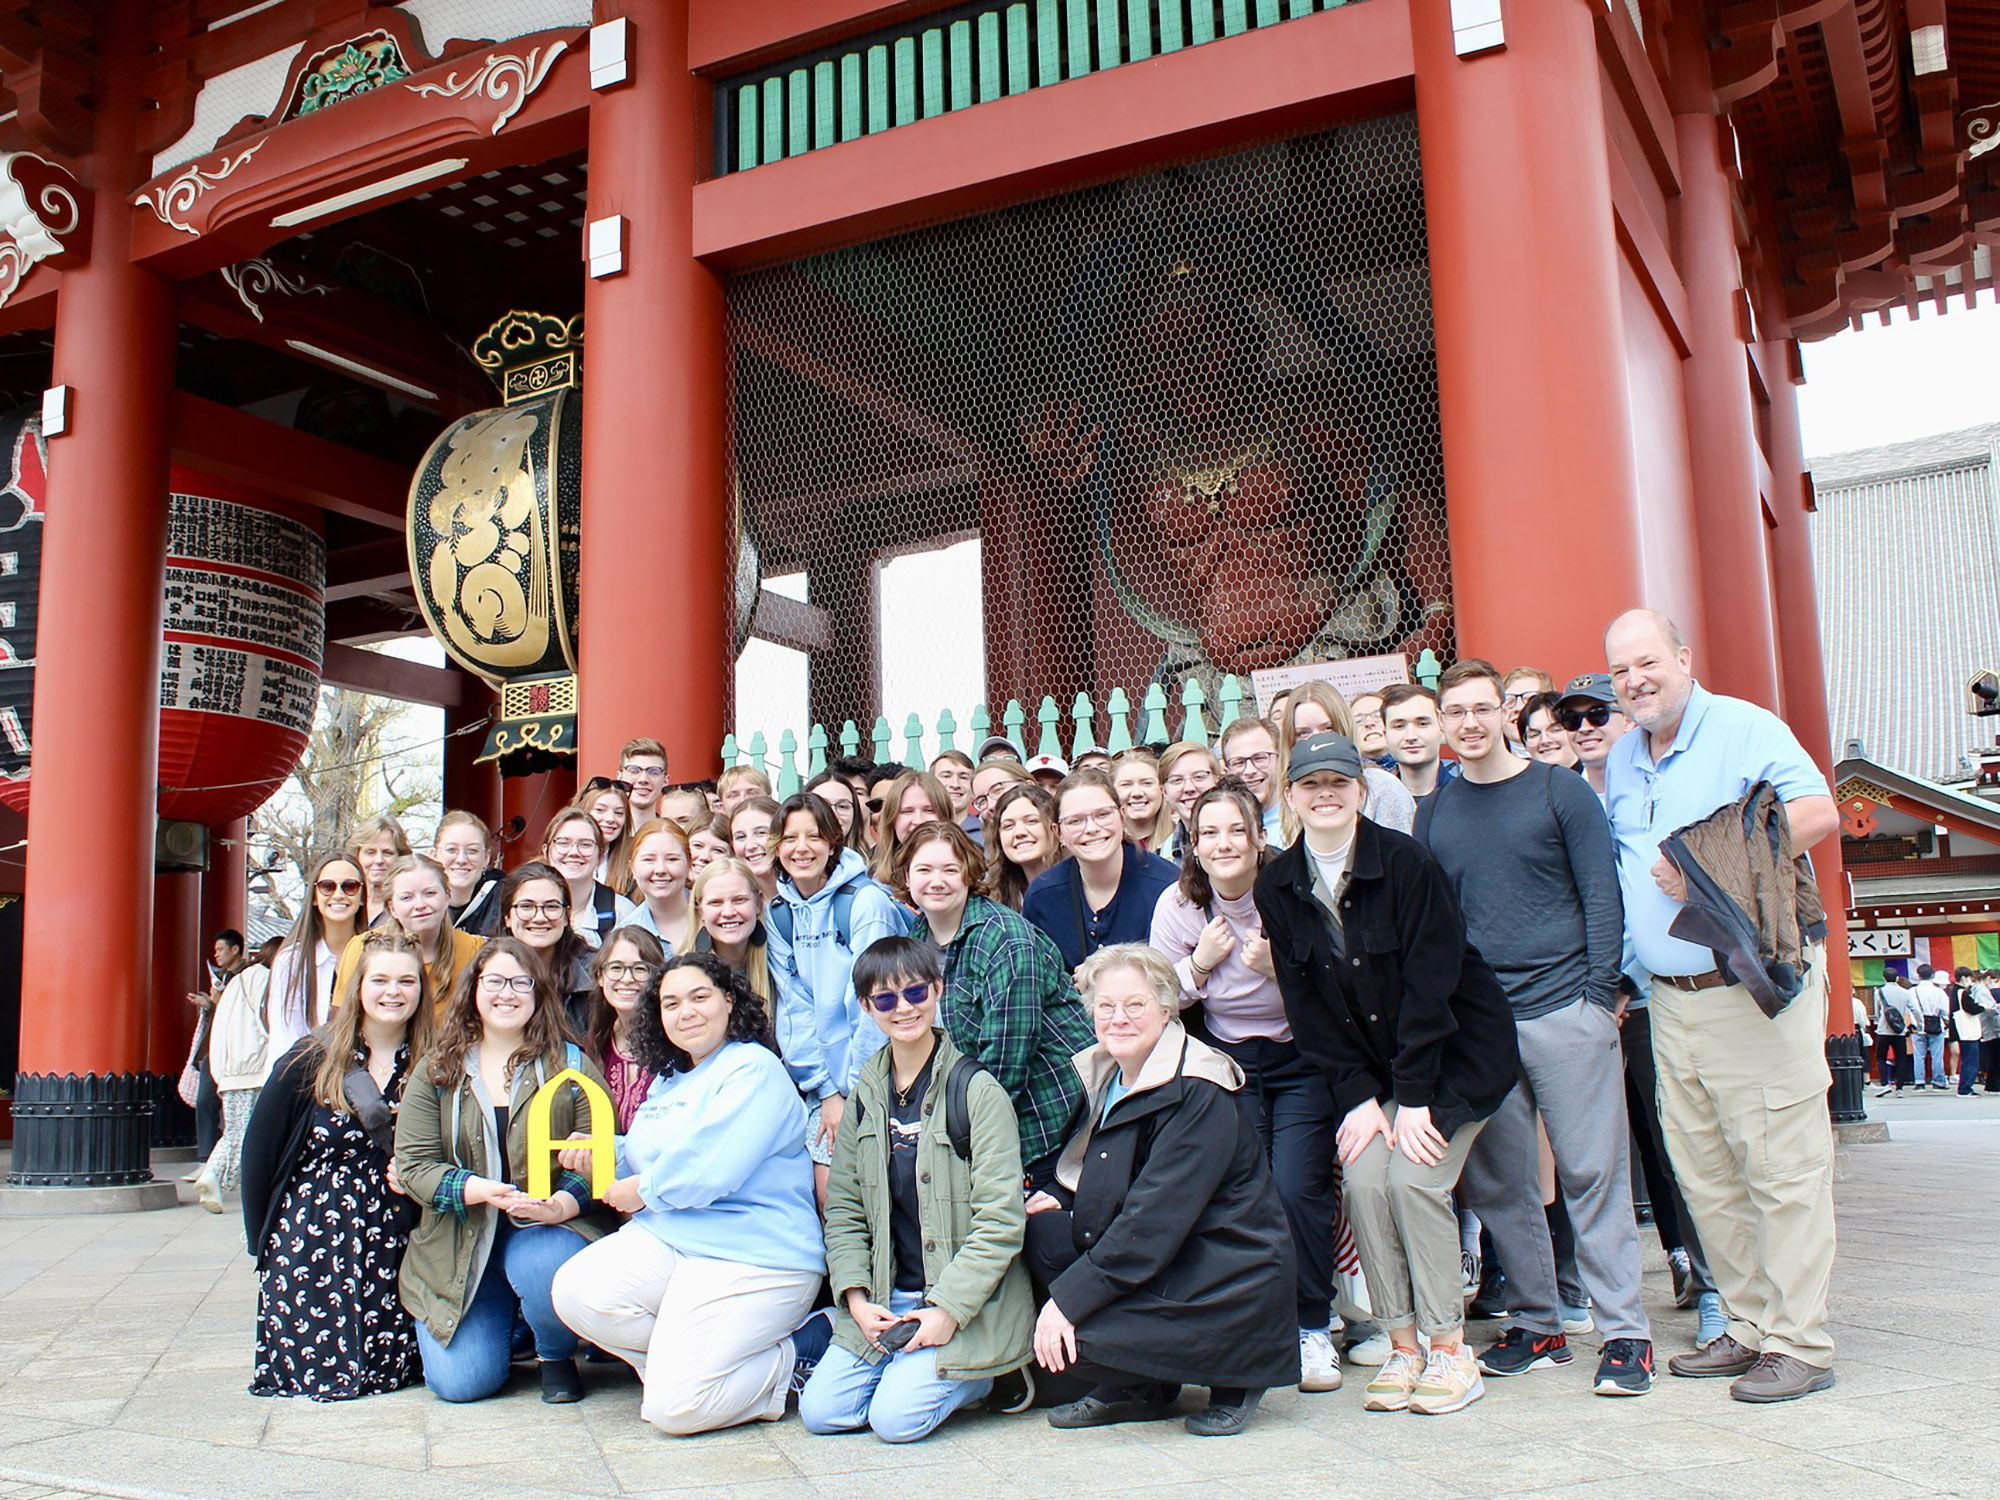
(1012, 1393)
(1519, 1351)
(810, 1341)
(1492, 1299)
(560, 1385)
(1682, 1270)
(1626, 1368)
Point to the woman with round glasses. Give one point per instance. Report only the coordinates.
(704, 1288)
(534, 901)
(300, 996)
(1008, 999)
(838, 793)
(826, 911)
(1106, 889)
(660, 878)
(923, 1243)
(1186, 771)
(1162, 1243)
(321, 1213)
(484, 1251)
(1542, 733)
(988, 782)
(609, 804)
(376, 845)
(572, 845)
(627, 971)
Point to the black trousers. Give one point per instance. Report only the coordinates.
(207, 1112)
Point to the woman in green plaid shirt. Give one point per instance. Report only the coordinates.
(1008, 997)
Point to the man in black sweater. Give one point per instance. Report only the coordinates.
(1529, 852)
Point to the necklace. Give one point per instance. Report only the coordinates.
(903, 1094)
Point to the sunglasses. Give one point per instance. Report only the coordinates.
(606, 783)
(337, 887)
(874, 804)
(1596, 716)
(888, 1000)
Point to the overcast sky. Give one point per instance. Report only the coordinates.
(1910, 379)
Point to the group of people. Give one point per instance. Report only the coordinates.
(1940, 1031)
(1011, 1082)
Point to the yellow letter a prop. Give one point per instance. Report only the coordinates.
(603, 1130)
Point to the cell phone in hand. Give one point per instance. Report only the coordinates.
(897, 1334)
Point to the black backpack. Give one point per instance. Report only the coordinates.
(957, 1111)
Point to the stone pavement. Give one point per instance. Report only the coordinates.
(125, 1349)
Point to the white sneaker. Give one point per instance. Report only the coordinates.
(1390, 1389)
(1371, 1351)
(1319, 1361)
(207, 1194)
(1450, 1383)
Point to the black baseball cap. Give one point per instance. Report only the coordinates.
(1591, 687)
(1325, 751)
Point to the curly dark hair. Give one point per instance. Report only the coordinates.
(602, 1017)
(748, 1020)
(460, 1028)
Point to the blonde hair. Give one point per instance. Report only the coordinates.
(1328, 697)
(748, 775)
(888, 848)
(336, 1040)
(617, 855)
(1141, 959)
(439, 968)
(1170, 757)
(756, 963)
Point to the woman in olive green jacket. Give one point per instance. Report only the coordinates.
(484, 1248)
(922, 1245)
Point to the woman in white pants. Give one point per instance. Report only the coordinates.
(703, 1290)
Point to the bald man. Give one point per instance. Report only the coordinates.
(1742, 1096)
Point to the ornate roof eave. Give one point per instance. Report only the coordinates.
(1912, 795)
(481, 109)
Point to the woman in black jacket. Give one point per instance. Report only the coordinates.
(321, 1209)
(1416, 1039)
(1163, 1246)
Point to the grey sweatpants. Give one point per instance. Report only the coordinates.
(1572, 1072)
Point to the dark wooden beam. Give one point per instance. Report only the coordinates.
(288, 464)
(363, 621)
(370, 568)
(391, 676)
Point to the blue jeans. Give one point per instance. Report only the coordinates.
(523, 1262)
(1968, 1064)
(903, 1398)
(1931, 1048)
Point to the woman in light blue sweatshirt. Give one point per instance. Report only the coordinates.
(827, 910)
(702, 1290)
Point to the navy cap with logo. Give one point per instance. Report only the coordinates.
(1325, 751)
(1590, 687)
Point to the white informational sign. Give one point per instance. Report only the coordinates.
(1878, 942)
(1350, 678)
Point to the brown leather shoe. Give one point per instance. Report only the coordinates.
(1779, 1377)
(1723, 1357)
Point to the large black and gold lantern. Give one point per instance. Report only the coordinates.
(493, 538)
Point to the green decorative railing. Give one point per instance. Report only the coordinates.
(958, 58)
(1070, 733)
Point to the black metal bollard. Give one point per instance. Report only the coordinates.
(1844, 1098)
(81, 1132)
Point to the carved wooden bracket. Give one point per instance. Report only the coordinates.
(42, 218)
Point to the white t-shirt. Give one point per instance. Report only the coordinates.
(285, 1025)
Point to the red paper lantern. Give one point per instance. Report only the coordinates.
(242, 636)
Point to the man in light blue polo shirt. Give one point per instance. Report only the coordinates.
(1742, 1096)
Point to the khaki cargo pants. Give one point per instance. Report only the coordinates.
(1743, 1104)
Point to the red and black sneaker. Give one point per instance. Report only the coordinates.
(1626, 1368)
(1519, 1351)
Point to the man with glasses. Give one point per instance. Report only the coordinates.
(1589, 713)
(1522, 684)
(1248, 749)
(1529, 853)
(642, 764)
(1371, 738)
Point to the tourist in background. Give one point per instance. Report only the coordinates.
(1932, 1008)
(484, 1252)
(322, 1213)
(239, 1059)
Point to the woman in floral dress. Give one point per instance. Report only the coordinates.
(322, 1211)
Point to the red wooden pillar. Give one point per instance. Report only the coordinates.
(86, 956)
(654, 660)
(470, 785)
(1800, 658)
(532, 800)
(179, 964)
(1722, 433)
(1538, 456)
(225, 888)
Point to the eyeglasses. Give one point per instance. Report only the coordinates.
(623, 971)
(572, 846)
(1202, 778)
(1596, 716)
(1131, 1010)
(643, 773)
(1458, 713)
(500, 984)
(1254, 762)
(1372, 721)
(888, 1000)
(550, 909)
(605, 784)
(1077, 822)
(337, 887)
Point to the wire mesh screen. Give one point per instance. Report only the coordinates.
(1190, 418)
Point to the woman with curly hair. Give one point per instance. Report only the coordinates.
(627, 972)
(703, 1290)
(535, 906)
(1020, 841)
(485, 1251)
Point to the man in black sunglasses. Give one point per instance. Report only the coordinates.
(1589, 710)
